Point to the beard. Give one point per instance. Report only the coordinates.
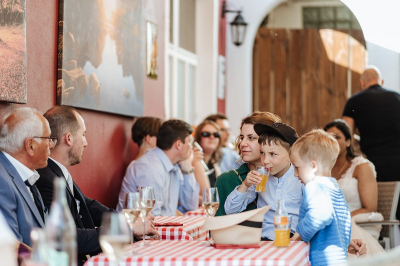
(74, 156)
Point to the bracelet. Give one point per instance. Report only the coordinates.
(188, 172)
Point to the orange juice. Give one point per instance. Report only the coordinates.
(282, 238)
(261, 186)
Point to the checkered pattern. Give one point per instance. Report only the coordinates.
(200, 253)
(191, 229)
(198, 212)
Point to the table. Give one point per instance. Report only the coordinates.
(191, 229)
(196, 253)
(198, 212)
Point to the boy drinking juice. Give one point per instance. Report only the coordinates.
(324, 218)
(275, 141)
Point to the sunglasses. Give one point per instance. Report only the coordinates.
(206, 134)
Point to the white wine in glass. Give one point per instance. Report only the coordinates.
(131, 210)
(114, 236)
(148, 200)
(210, 201)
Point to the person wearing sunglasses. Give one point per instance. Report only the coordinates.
(208, 136)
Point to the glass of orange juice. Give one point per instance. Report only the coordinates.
(264, 173)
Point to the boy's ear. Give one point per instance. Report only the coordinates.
(314, 166)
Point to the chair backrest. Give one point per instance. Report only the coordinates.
(388, 198)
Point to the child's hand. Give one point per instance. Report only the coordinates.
(295, 237)
(252, 178)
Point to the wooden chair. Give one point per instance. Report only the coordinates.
(388, 198)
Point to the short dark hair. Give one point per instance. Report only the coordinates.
(215, 117)
(171, 131)
(271, 137)
(144, 126)
(62, 119)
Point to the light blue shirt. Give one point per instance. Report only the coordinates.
(156, 170)
(325, 222)
(229, 160)
(287, 187)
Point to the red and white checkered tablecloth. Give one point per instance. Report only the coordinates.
(198, 212)
(200, 253)
(191, 229)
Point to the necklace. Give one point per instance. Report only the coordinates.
(343, 167)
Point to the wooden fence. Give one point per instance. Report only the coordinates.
(305, 76)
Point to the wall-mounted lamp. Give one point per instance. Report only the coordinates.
(238, 25)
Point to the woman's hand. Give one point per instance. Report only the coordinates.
(357, 247)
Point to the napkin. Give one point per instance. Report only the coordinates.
(168, 224)
(228, 246)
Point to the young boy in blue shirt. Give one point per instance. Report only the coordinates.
(275, 141)
(324, 218)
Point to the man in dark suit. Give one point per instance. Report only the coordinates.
(25, 146)
(69, 128)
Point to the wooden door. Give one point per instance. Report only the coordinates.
(305, 76)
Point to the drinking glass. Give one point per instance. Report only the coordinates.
(114, 236)
(210, 201)
(264, 173)
(148, 200)
(131, 209)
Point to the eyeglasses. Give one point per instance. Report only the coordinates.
(206, 134)
(53, 140)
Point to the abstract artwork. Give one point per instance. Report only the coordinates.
(13, 51)
(100, 60)
(152, 61)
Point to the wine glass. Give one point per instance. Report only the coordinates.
(210, 201)
(131, 209)
(148, 200)
(114, 236)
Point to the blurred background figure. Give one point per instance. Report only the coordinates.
(208, 136)
(356, 177)
(230, 157)
(144, 133)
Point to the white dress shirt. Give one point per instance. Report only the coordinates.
(69, 183)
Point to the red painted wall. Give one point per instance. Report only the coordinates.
(110, 148)
(221, 51)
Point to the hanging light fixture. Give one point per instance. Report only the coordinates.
(238, 25)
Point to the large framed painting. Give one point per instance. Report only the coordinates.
(13, 51)
(100, 64)
(152, 57)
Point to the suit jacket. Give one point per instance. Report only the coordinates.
(17, 204)
(86, 220)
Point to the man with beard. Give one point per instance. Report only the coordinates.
(68, 127)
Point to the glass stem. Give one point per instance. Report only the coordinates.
(132, 237)
(144, 230)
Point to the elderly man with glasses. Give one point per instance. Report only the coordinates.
(25, 145)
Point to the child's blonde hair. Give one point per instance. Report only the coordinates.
(317, 145)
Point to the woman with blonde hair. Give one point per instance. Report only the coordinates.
(208, 136)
